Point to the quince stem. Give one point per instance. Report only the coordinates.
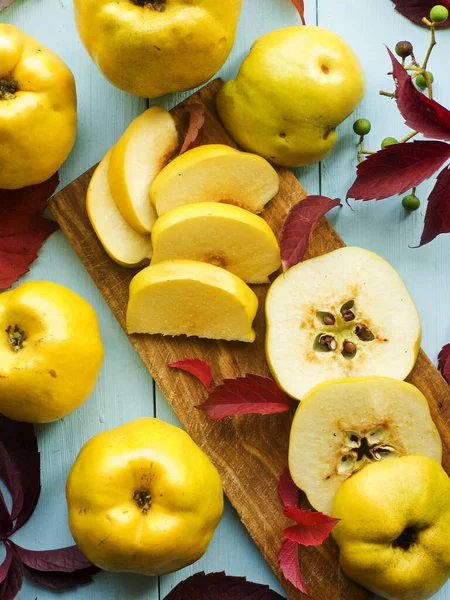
(8, 89)
(16, 337)
(158, 5)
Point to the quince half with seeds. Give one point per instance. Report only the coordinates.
(343, 314)
(215, 173)
(343, 425)
(136, 159)
(123, 244)
(227, 236)
(186, 297)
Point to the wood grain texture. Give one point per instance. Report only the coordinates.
(250, 452)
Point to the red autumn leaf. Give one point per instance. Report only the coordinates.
(420, 112)
(22, 229)
(4, 4)
(6, 523)
(312, 528)
(198, 368)
(196, 122)
(300, 6)
(444, 362)
(437, 217)
(66, 560)
(398, 168)
(61, 581)
(252, 394)
(416, 10)
(287, 490)
(12, 573)
(289, 565)
(219, 586)
(299, 225)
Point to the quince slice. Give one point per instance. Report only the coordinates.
(220, 234)
(123, 244)
(215, 173)
(344, 314)
(186, 297)
(343, 425)
(139, 155)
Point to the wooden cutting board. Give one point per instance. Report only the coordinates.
(249, 451)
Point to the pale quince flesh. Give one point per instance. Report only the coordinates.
(223, 235)
(215, 173)
(292, 91)
(136, 159)
(123, 244)
(344, 424)
(393, 535)
(186, 297)
(343, 314)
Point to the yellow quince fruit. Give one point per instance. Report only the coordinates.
(143, 498)
(186, 297)
(220, 234)
(292, 91)
(38, 110)
(394, 530)
(50, 353)
(155, 47)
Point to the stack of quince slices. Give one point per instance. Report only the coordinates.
(194, 219)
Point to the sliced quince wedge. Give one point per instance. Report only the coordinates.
(343, 314)
(186, 297)
(139, 155)
(343, 425)
(220, 234)
(123, 244)
(215, 173)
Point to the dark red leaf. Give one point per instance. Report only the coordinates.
(312, 528)
(65, 560)
(22, 229)
(300, 6)
(252, 394)
(416, 10)
(57, 580)
(289, 565)
(287, 490)
(31, 200)
(4, 4)
(398, 168)
(9, 474)
(420, 112)
(4, 567)
(218, 586)
(444, 362)
(198, 368)
(12, 583)
(437, 217)
(21, 445)
(299, 225)
(6, 523)
(196, 122)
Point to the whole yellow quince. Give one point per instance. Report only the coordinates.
(292, 91)
(394, 536)
(155, 47)
(38, 110)
(50, 352)
(143, 498)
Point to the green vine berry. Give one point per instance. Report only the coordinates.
(439, 13)
(411, 202)
(388, 141)
(404, 49)
(421, 81)
(362, 126)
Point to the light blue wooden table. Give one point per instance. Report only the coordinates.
(125, 390)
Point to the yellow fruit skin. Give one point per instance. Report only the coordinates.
(375, 506)
(292, 91)
(150, 456)
(38, 125)
(57, 368)
(150, 53)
